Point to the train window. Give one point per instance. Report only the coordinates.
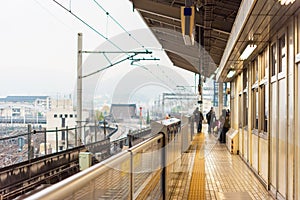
(245, 106)
(282, 60)
(266, 108)
(240, 111)
(252, 73)
(255, 71)
(273, 59)
(245, 79)
(255, 108)
(263, 64)
(266, 63)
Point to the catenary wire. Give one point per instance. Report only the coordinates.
(129, 34)
(85, 23)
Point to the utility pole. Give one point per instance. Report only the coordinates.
(79, 87)
(131, 57)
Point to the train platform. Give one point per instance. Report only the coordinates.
(205, 169)
(211, 172)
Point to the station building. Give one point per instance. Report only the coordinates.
(262, 63)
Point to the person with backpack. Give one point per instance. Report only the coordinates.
(225, 124)
(211, 118)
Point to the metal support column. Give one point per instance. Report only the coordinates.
(220, 98)
(29, 141)
(164, 184)
(56, 139)
(79, 87)
(163, 105)
(201, 62)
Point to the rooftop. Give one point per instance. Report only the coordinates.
(29, 99)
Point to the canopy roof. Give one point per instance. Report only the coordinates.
(213, 23)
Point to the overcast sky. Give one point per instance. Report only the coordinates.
(39, 41)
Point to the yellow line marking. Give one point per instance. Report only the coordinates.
(197, 185)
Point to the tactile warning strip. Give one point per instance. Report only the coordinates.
(197, 186)
(211, 172)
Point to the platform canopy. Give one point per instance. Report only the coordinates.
(213, 22)
(256, 25)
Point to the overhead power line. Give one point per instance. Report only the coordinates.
(85, 23)
(109, 66)
(129, 34)
(52, 15)
(130, 57)
(128, 53)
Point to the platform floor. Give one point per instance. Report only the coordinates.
(209, 171)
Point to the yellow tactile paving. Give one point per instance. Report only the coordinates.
(211, 172)
(197, 186)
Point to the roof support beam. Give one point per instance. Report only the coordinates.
(173, 13)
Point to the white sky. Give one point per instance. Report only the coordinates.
(39, 41)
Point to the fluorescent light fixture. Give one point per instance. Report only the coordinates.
(248, 51)
(286, 2)
(231, 73)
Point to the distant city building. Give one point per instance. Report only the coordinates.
(37, 101)
(208, 95)
(60, 116)
(24, 109)
(123, 111)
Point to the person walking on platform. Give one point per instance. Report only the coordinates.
(225, 125)
(211, 118)
(200, 122)
(198, 119)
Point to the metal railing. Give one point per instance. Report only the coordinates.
(19, 178)
(26, 176)
(132, 138)
(40, 142)
(146, 170)
(92, 182)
